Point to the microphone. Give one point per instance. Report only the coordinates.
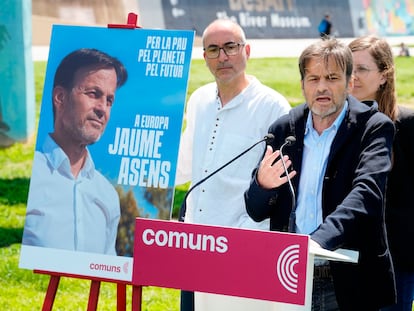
(268, 138)
(289, 141)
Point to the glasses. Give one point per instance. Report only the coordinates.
(362, 71)
(230, 49)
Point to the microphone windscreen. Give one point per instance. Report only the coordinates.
(290, 140)
(269, 137)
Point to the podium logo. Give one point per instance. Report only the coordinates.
(286, 268)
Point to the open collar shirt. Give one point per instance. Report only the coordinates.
(315, 158)
(80, 214)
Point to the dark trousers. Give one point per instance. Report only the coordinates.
(187, 301)
(323, 294)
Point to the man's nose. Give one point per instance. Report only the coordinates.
(222, 54)
(101, 106)
(322, 84)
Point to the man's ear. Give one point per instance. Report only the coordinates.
(58, 96)
(247, 48)
(350, 85)
(302, 87)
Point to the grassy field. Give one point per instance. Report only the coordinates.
(25, 290)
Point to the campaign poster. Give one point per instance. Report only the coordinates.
(107, 146)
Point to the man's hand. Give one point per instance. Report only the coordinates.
(270, 171)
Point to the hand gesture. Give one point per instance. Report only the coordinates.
(271, 173)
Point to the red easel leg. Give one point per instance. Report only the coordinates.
(121, 297)
(94, 295)
(136, 298)
(51, 293)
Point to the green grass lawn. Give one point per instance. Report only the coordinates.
(25, 290)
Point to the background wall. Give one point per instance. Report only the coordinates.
(45, 13)
(261, 19)
(17, 100)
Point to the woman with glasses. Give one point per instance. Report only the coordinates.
(374, 80)
(223, 119)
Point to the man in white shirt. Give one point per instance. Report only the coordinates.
(70, 204)
(223, 119)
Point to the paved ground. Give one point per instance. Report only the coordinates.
(260, 48)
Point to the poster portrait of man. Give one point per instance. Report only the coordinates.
(107, 146)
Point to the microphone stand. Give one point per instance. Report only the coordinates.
(290, 140)
(183, 208)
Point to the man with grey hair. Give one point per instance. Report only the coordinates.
(339, 167)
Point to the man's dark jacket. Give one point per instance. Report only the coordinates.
(399, 212)
(352, 200)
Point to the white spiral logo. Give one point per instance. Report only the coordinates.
(285, 268)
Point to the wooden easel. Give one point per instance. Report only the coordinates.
(96, 282)
(93, 292)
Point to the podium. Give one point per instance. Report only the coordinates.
(229, 268)
(208, 302)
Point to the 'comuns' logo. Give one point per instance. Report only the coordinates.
(184, 240)
(104, 267)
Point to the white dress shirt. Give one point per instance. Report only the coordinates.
(213, 136)
(79, 214)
